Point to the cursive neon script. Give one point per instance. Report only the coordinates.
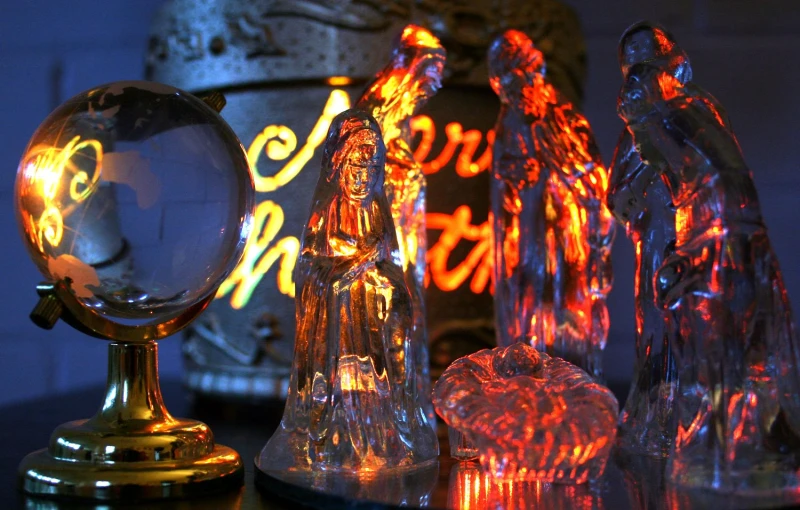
(265, 248)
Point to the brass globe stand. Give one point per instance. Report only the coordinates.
(132, 448)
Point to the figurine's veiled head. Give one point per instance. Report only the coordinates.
(413, 75)
(354, 155)
(514, 62)
(421, 54)
(649, 43)
(645, 88)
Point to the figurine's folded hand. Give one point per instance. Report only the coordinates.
(676, 278)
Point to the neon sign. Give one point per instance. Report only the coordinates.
(278, 143)
(457, 226)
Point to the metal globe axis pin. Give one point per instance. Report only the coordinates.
(132, 449)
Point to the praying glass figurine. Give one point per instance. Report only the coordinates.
(737, 407)
(412, 76)
(352, 403)
(530, 416)
(552, 230)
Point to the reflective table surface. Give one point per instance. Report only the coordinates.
(634, 483)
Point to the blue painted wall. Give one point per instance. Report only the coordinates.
(744, 52)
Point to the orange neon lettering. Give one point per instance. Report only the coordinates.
(455, 228)
(466, 166)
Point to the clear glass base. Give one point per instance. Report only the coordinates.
(461, 448)
(762, 479)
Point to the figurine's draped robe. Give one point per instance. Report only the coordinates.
(405, 190)
(552, 233)
(350, 385)
(647, 422)
(397, 92)
(405, 181)
(724, 285)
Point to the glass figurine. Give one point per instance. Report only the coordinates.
(640, 201)
(352, 403)
(552, 230)
(530, 416)
(737, 406)
(397, 93)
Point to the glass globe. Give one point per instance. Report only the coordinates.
(139, 196)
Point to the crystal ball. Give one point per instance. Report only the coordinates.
(137, 195)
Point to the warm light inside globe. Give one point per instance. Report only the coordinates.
(139, 196)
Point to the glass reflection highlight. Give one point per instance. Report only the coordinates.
(472, 489)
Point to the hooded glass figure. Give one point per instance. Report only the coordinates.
(552, 230)
(737, 354)
(409, 80)
(352, 402)
(639, 201)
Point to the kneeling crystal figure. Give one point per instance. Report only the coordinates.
(352, 404)
(738, 408)
(530, 416)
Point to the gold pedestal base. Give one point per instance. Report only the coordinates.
(43, 475)
(132, 449)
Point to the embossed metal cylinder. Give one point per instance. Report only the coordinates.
(286, 68)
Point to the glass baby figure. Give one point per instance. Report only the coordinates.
(352, 403)
(552, 230)
(409, 80)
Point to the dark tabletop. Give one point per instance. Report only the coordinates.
(627, 483)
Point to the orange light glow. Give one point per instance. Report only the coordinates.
(46, 169)
(636, 285)
(663, 42)
(420, 37)
(339, 81)
(455, 228)
(423, 127)
(670, 86)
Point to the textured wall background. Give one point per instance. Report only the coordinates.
(744, 52)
